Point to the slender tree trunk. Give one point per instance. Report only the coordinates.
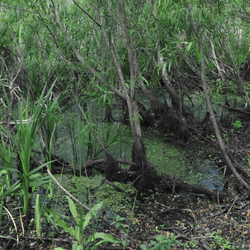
(211, 111)
(139, 149)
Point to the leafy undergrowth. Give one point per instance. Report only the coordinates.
(195, 221)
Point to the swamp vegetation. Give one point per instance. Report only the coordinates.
(124, 124)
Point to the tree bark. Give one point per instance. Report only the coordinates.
(210, 108)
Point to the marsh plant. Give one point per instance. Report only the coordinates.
(162, 242)
(21, 146)
(82, 240)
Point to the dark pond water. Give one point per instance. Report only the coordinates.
(211, 177)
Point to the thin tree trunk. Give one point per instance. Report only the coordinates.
(139, 149)
(211, 111)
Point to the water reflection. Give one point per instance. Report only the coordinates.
(211, 177)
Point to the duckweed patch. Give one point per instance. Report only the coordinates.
(113, 200)
(168, 159)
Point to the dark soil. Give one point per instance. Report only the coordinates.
(197, 222)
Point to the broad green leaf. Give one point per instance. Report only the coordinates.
(106, 238)
(64, 225)
(91, 214)
(72, 208)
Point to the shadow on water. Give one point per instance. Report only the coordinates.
(211, 177)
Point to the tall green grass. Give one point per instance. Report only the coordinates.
(31, 117)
